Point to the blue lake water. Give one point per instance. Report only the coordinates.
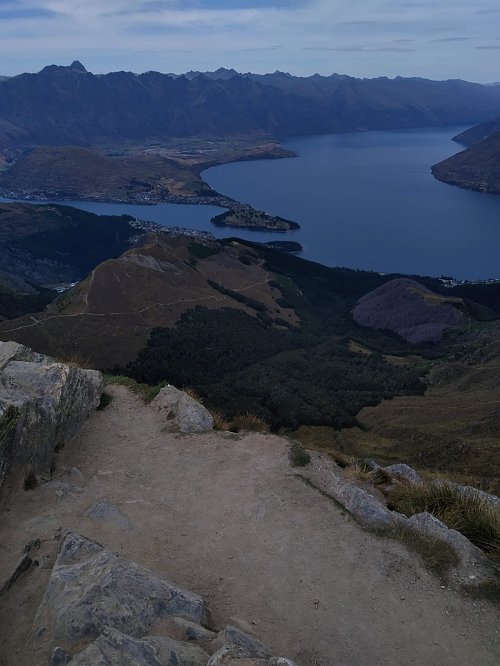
(365, 200)
(368, 200)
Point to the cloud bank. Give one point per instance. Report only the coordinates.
(445, 39)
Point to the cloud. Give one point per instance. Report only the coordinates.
(360, 37)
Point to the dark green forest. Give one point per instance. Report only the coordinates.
(239, 363)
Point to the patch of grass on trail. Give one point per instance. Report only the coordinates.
(437, 556)
(145, 391)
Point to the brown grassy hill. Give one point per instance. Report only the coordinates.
(106, 319)
(72, 172)
(409, 309)
(453, 427)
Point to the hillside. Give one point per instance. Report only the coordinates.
(453, 427)
(47, 245)
(71, 106)
(477, 167)
(69, 172)
(409, 309)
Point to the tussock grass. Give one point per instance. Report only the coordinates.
(359, 470)
(146, 392)
(220, 421)
(471, 514)
(249, 422)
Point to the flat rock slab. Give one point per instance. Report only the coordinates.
(105, 511)
(92, 588)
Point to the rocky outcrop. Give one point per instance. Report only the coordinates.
(99, 608)
(181, 412)
(43, 403)
(368, 507)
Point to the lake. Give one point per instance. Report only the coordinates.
(368, 200)
(365, 200)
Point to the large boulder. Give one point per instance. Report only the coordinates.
(43, 403)
(92, 589)
(181, 412)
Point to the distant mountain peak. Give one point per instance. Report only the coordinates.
(77, 66)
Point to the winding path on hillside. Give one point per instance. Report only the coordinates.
(226, 516)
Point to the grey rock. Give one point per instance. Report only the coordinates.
(114, 648)
(228, 654)
(404, 473)
(61, 488)
(75, 475)
(281, 661)
(251, 646)
(59, 657)
(181, 412)
(91, 588)
(42, 405)
(186, 630)
(106, 512)
(365, 508)
(473, 565)
(21, 567)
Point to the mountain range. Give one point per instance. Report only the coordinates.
(71, 106)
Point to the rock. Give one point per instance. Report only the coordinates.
(236, 637)
(181, 412)
(281, 661)
(473, 563)
(61, 489)
(75, 475)
(404, 473)
(59, 657)
(108, 513)
(115, 648)
(185, 630)
(23, 565)
(227, 655)
(42, 405)
(365, 508)
(91, 588)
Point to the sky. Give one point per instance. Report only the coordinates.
(437, 39)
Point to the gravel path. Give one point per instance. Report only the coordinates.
(226, 517)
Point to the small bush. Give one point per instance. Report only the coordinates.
(471, 514)
(298, 456)
(250, 422)
(106, 400)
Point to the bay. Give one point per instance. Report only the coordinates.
(368, 200)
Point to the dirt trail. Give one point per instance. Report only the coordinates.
(226, 517)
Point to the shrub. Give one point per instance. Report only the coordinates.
(298, 456)
(359, 470)
(471, 514)
(106, 400)
(220, 422)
